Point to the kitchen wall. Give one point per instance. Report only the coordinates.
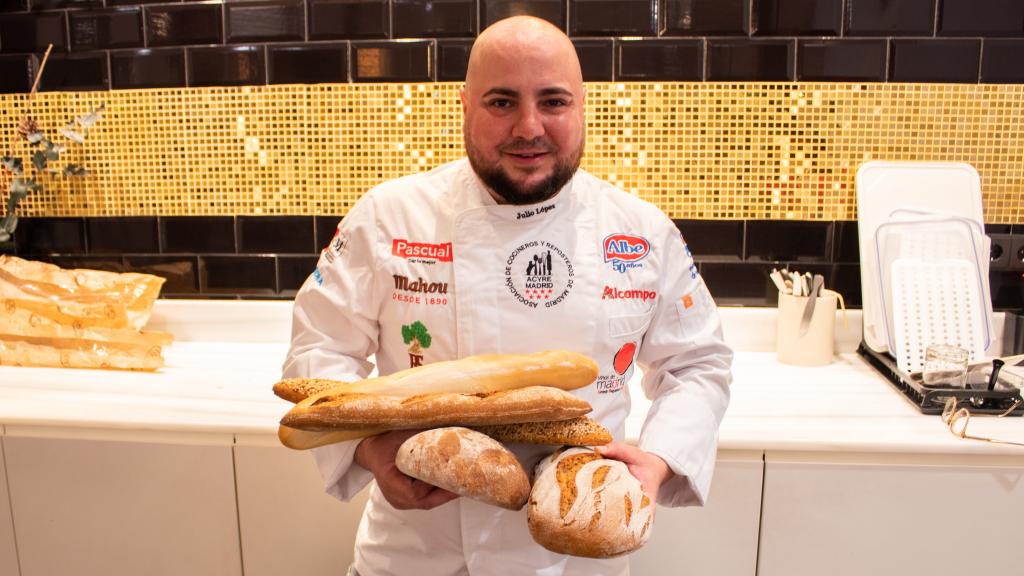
(766, 106)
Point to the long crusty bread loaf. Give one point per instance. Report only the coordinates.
(467, 463)
(580, 431)
(345, 410)
(475, 374)
(585, 505)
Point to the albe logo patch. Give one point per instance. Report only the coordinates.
(625, 251)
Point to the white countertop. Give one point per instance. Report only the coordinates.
(219, 373)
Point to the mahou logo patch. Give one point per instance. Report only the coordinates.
(625, 251)
(421, 251)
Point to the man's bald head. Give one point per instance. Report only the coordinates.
(523, 104)
(523, 36)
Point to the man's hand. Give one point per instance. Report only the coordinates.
(648, 468)
(377, 454)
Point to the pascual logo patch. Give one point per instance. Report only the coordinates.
(421, 251)
(539, 272)
(612, 293)
(419, 291)
(625, 251)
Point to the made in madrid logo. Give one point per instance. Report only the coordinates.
(538, 272)
(625, 251)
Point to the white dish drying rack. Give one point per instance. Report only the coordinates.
(924, 273)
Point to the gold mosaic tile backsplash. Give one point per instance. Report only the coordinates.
(697, 150)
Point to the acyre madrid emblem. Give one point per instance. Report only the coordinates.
(539, 273)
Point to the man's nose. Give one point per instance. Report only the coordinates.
(529, 124)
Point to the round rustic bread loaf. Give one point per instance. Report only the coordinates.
(585, 505)
(467, 463)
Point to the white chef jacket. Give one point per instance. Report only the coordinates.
(428, 268)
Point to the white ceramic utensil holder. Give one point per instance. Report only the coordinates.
(816, 347)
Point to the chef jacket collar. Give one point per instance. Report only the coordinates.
(474, 194)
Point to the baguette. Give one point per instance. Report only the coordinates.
(580, 431)
(467, 463)
(471, 375)
(344, 410)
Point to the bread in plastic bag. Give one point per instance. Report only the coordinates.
(77, 318)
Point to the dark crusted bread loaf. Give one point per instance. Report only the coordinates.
(580, 431)
(586, 505)
(344, 410)
(467, 463)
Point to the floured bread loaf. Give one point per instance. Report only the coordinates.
(585, 505)
(467, 463)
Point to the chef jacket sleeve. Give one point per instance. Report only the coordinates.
(687, 372)
(335, 330)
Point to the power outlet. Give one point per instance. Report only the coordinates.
(999, 253)
(1017, 252)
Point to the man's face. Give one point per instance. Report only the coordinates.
(524, 127)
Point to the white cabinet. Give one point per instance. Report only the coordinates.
(288, 524)
(850, 515)
(8, 551)
(109, 508)
(719, 538)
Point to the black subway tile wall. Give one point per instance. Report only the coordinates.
(197, 234)
(595, 59)
(391, 62)
(26, 32)
(253, 275)
(181, 24)
(890, 17)
(113, 28)
(797, 17)
(83, 71)
(307, 63)
(433, 18)
(842, 60)
(551, 10)
(147, 68)
(981, 18)
(281, 20)
(677, 60)
(133, 44)
(935, 60)
(1002, 62)
(132, 235)
(335, 41)
(15, 73)
(337, 19)
(711, 17)
(226, 66)
(275, 234)
(613, 17)
(736, 60)
(452, 60)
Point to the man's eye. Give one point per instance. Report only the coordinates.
(555, 103)
(500, 103)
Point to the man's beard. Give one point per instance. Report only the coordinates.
(498, 180)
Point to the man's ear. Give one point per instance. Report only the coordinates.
(462, 98)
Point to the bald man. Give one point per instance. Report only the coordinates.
(525, 252)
